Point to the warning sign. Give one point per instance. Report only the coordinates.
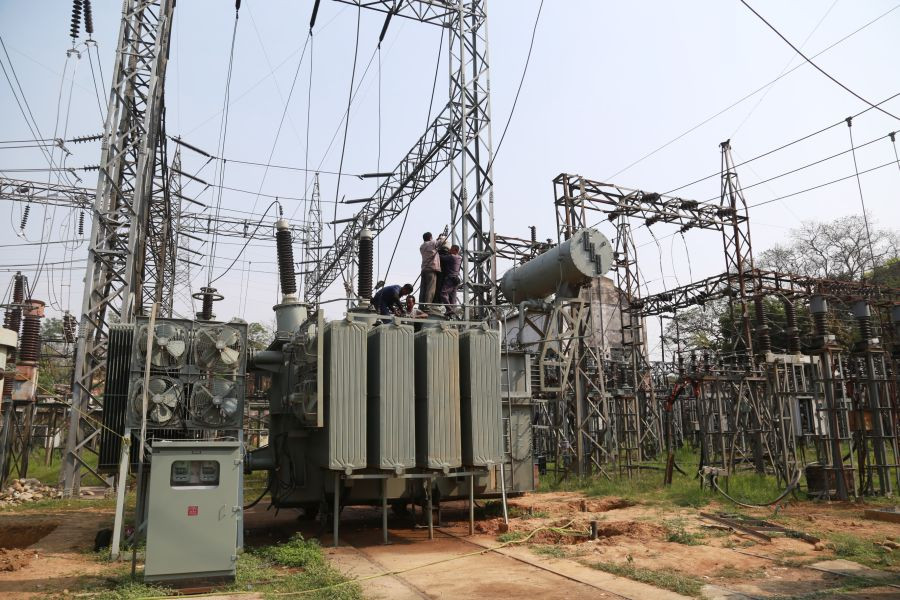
(192, 511)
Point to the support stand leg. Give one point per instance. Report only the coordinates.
(428, 509)
(336, 509)
(384, 518)
(471, 504)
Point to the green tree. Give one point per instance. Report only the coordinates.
(259, 335)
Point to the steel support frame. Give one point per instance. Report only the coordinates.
(459, 137)
(114, 276)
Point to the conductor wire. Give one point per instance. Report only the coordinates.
(862, 201)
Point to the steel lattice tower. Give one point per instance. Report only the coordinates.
(459, 137)
(121, 214)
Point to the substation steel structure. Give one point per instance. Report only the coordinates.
(611, 407)
(131, 262)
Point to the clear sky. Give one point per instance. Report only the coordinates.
(608, 83)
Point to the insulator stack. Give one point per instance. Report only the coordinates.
(69, 327)
(863, 320)
(285, 258)
(206, 310)
(763, 335)
(88, 18)
(30, 344)
(790, 314)
(533, 235)
(819, 309)
(13, 317)
(24, 221)
(81, 223)
(366, 258)
(76, 19)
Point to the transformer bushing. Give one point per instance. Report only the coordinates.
(289, 314)
(366, 258)
(863, 316)
(285, 259)
(207, 295)
(790, 314)
(818, 307)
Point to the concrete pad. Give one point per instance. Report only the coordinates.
(848, 567)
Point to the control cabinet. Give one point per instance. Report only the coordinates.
(194, 510)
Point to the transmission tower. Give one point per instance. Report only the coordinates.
(312, 240)
(738, 250)
(459, 136)
(114, 278)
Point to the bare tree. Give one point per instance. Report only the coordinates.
(838, 249)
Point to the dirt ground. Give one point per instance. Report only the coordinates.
(47, 552)
(55, 548)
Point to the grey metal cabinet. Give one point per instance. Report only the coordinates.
(194, 510)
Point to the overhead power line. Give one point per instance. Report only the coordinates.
(783, 146)
(817, 67)
(748, 96)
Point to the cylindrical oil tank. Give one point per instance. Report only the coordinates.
(438, 441)
(345, 394)
(561, 270)
(391, 410)
(479, 373)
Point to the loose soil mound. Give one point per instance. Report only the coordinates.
(635, 530)
(22, 536)
(13, 560)
(604, 505)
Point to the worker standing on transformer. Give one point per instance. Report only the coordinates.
(387, 300)
(431, 266)
(450, 263)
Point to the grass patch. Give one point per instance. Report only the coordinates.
(860, 550)
(131, 590)
(550, 551)
(679, 535)
(511, 536)
(49, 475)
(646, 485)
(666, 579)
(296, 552)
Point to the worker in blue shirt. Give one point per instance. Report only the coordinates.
(387, 300)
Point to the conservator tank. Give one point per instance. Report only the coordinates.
(561, 270)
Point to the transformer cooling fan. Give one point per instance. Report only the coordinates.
(164, 394)
(217, 348)
(168, 347)
(215, 403)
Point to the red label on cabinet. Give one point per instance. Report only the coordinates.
(192, 511)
